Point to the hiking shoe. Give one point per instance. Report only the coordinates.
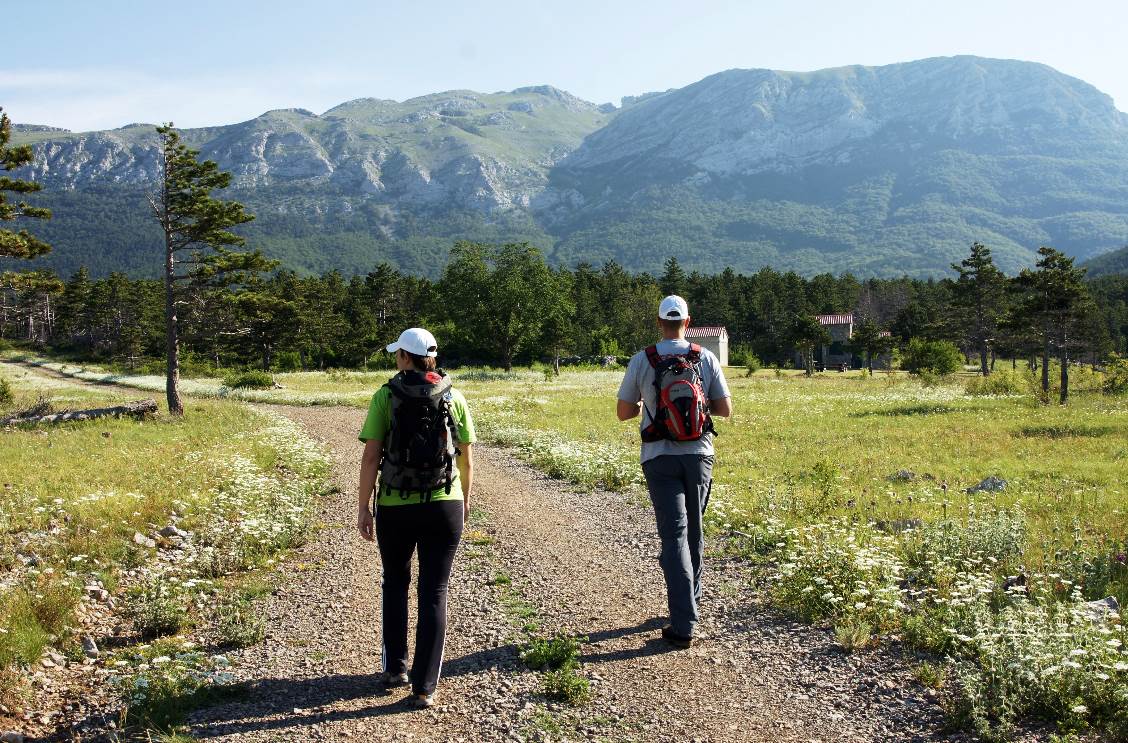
(423, 701)
(392, 680)
(678, 641)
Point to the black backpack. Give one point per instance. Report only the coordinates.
(420, 451)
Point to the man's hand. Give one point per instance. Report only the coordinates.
(364, 523)
(465, 511)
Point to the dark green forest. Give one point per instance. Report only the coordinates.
(504, 305)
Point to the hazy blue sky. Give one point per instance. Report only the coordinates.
(86, 65)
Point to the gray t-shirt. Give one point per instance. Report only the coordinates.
(638, 384)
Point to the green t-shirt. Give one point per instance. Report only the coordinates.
(378, 425)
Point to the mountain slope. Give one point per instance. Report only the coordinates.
(1107, 264)
(874, 170)
(365, 181)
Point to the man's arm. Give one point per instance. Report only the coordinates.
(466, 475)
(721, 407)
(369, 469)
(627, 410)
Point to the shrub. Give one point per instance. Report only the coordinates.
(256, 380)
(6, 396)
(565, 685)
(552, 653)
(936, 357)
(168, 680)
(288, 361)
(853, 634)
(157, 607)
(998, 384)
(1116, 375)
(238, 624)
(743, 356)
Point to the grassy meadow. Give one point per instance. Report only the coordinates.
(154, 521)
(850, 494)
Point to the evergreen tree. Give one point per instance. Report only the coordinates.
(674, 280)
(869, 341)
(17, 244)
(1052, 307)
(979, 296)
(192, 220)
(807, 334)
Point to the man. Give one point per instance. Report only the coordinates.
(677, 458)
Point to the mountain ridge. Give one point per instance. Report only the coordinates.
(872, 169)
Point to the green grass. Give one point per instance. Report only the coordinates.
(74, 495)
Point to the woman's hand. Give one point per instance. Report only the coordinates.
(364, 523)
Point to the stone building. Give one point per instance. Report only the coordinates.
(713, 338)
(837, 354)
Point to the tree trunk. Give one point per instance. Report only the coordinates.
(1064, 396)
(984, 368)
(556, 363)
(869, 362)
(808, 357)
(172, 379)
(1046, 367)
(137, 409)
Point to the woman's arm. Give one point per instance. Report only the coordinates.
(466, 475)
(369, 469)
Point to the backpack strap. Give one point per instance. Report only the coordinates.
(652, 356)
(694, 354)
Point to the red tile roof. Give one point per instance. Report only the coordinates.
(847, 319)
(706, 332)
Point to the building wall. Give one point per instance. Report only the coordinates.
(718, 346)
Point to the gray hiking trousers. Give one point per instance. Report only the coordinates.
(679, 489)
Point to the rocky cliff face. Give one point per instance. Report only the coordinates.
(875, 170)
(460, 150)
(750, 121)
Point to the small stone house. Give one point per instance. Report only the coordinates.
(837, 354)
(713, 338)
(841, 329)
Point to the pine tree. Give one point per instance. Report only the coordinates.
(191, 220)
(18, 244)
(979, 298)
(869, 341)
(674, 280)
(1053, 307)
(807, 334)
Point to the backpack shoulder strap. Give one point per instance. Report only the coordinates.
(652, 356)
(694, 351)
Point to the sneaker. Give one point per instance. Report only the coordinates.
(392, 680)
(678, 641)
(423, 701)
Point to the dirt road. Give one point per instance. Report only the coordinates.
(581, 563)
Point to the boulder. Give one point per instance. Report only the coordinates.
(992, 484)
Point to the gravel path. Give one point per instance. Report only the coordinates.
(582, 563)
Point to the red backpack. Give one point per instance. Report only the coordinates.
(682, 412)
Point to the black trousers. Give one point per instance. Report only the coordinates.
(435, 528)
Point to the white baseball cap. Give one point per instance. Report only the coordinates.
(417, 341)
(673, 307)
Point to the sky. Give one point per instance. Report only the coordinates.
(86, 65)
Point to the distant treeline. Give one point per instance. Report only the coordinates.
(502, 305)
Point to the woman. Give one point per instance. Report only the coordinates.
(418, 437)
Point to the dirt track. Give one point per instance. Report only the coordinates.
(586, 563)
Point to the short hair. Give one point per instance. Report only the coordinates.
(671, 326)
